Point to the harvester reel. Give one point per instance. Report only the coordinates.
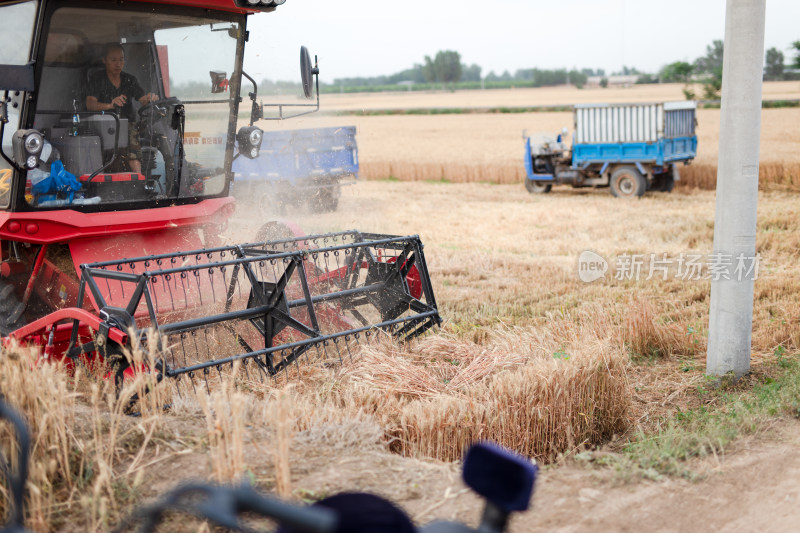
(397, 297)
(268, 325)
(269, 303)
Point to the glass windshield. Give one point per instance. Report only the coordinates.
(127, 107)
(15, 46)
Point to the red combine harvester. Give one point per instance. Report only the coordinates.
(98, 196)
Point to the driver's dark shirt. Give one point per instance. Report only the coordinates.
(101, 88)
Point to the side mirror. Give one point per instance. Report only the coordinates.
(502, 477)
(307, 71)
(219, 81)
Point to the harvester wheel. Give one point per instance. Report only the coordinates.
(10, 316)
(276, 231)
(627, 182)
(537, 187)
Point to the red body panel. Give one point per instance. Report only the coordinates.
(133, 245)
(57, 288)
(50, 227)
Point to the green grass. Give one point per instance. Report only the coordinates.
(455, 111)
(729, 413)
(765, 104)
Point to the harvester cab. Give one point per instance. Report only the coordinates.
(114, 191)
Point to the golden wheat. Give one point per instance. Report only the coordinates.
(489, 147)
(529, 355)
(528, 97)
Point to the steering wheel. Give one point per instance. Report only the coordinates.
(159, 108)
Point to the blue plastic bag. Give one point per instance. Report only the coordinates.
(59, 182)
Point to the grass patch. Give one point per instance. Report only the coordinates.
(504, 110)
(730, 411)
(510, 110)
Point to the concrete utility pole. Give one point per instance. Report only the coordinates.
(731, 315)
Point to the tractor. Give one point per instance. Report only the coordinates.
(110, 227)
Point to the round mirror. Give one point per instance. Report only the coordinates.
(306, 71)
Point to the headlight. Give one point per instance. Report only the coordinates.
(249, 139)
(27, 146)
(33, 143)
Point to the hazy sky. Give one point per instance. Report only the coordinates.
(373, 37)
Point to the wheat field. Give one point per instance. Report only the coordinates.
(528, 356)
(489, 147)
(529, 97)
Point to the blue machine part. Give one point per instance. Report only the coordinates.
(529, 165)
(659, 152)
(295, 156)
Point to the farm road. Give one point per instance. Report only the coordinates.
(755, 488)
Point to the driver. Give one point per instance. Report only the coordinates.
(112, 89)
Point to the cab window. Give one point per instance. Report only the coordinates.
(15, 44)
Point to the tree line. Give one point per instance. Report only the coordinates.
(446, 70)
(707, 70)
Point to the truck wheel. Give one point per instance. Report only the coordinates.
(627, 182)
(666, 183)
(10, 315)
(537, 187)
(325, 199)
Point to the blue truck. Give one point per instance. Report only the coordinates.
(299, 167)
(630, 148)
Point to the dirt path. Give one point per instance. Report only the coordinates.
(754, 488)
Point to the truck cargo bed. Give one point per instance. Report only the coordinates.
(302, 156)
